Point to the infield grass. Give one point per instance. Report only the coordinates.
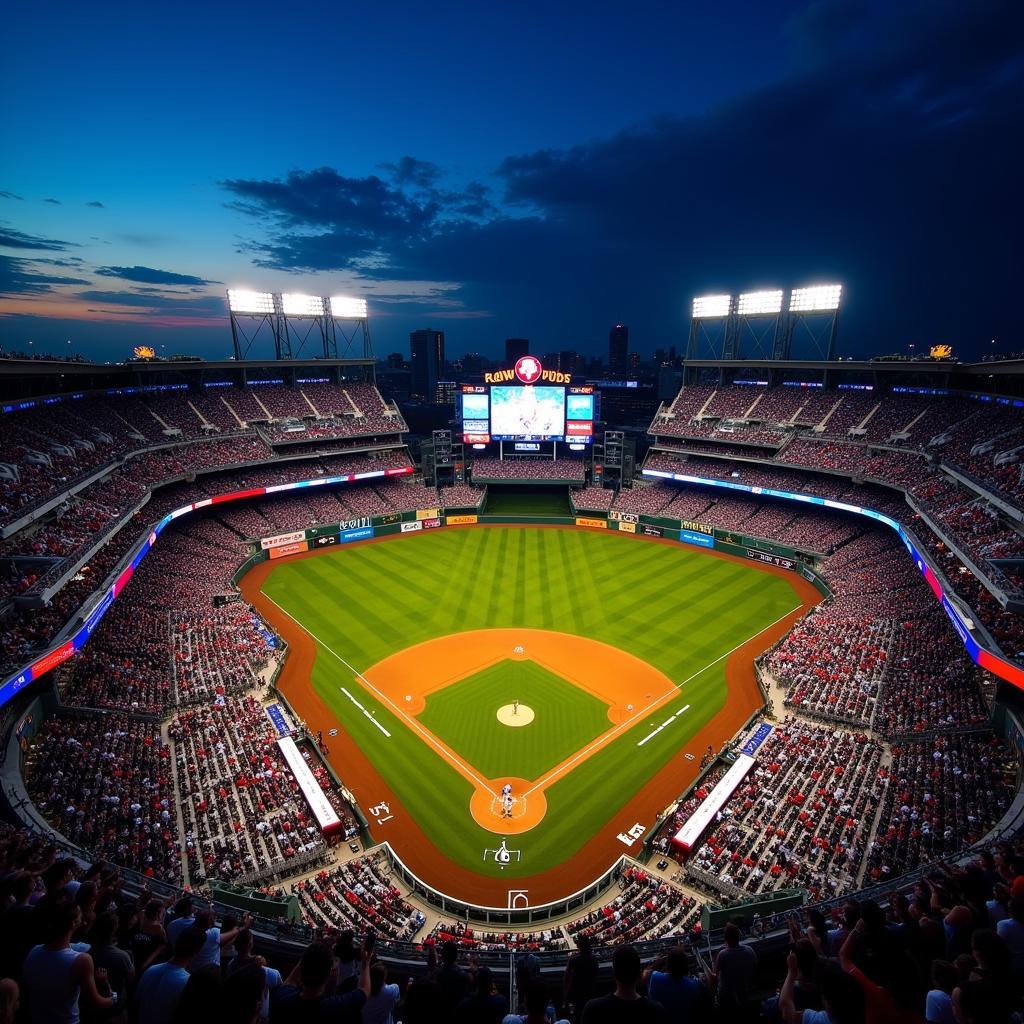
(676, 607)
(464, 715)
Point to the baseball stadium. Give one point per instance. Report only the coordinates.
(536, 681)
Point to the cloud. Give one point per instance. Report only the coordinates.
(69, 261)
(18, 277)
(149, 275)
(182, 306)
(145, 239)
(10, 195)
(323, 220)
(411, 171)
(55, 202)
(11, 238)
(97, 204)
(873, 159)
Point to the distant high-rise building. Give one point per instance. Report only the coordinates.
(427, 351)
(633, 361)
(396, 361)
(567, 361)
(618, 350)
(516, 348)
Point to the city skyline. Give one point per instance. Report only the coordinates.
(546, 198)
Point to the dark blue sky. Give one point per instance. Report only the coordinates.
(498, 170)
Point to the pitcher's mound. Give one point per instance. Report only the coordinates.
(508, 715)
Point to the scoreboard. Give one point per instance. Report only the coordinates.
(527, 413)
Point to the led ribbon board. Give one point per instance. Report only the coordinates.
(61, 652)
(991, 662)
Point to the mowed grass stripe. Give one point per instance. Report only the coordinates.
(676, 607)
(464, 716)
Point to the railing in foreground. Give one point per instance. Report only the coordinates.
(512, 914)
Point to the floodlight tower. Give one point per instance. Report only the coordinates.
(758, 320)
(347, 318)
(815, 309)
(250, 312)
(302, 314)
(710, 321)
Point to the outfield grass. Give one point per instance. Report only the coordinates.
(464, 716)
(676, 607)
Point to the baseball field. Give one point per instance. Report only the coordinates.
(578, 668)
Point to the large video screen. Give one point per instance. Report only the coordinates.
(474, 407)
(579, 407)
(527, 413)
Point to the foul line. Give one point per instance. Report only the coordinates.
(668, 721)
(604, 738)
(457, 763)
(365, 712)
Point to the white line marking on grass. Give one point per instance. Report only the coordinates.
(668, 721)
(604, 738)
(410, 721)
(351, 698)
(365, 712)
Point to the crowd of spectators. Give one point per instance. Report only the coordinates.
(595, 499)
(487, 468)
(802, 817)
(104, 781)
(358, 895)
(461, 496)
(52, 446)
(647, 907)
(942, 795)
(244, 816)
(467, 937)
(881, 653)
(24, 631)
(82, 942)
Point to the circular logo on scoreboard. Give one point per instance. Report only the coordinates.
(528, 369)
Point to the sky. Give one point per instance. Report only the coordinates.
(510, 170)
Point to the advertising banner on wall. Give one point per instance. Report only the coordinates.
(597, 524)
(427, 513)
(283, 538)
(363, 533)
(411, 527)
(326, 541)
(764, 556)
(623, 517)
(288, 549)
(461, 520)
(391, 517)
(354, 524)
(625, 527)
(702, 540)
(652, 531)
(431, 524)
(689, 524)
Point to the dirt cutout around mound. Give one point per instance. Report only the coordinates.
(631, 688)
(418, 850)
